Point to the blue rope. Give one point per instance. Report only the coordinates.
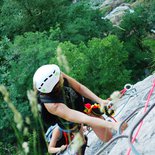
(134, 150)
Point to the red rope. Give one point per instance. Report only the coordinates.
(140, 125)
(113, 118)
(123, 92)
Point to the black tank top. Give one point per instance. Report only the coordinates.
(69, 97)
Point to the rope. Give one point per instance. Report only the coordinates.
(132, 93)
(113, 118)
(136, 92)
(123, 92)
(140, 125)
(127, 89)
(122, 107)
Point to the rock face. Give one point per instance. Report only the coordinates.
(112, 3)
(115, 15)
(115, 9)
(145, 140)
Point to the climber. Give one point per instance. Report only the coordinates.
(59, 140)
(62, 99)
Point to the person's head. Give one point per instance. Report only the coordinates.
(46, 78)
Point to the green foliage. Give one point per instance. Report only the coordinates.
(19, 16)
(82, 23)
(77, 21)
(135, 27)
(95, 4)
(22, 129)
(7, 149)
(31, 50)
(98, 65)
(12, 18)
(150, 42)
(77, 60)
(106, 71)
(19, 61)
(5, 57)
(151, 11)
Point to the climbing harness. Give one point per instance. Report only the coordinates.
(74, 146)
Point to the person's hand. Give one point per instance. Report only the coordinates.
(117, 124)
(103, 103)
(85, 129)
(63, 147)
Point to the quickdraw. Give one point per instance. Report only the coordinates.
(95, 109)
(108, 110)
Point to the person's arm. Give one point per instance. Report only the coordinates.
(54, 139)
(71, 115)
(83, 90)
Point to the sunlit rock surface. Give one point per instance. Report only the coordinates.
(145, 142)
(116, 14)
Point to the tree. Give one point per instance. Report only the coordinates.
(106, 71)
(19, 16)
(20, 59)
(73, 56)
(135, 27)
(99, 65)
(83, 23)
(77, 21)
(150, 6)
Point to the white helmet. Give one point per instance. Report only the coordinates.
(46, 77)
